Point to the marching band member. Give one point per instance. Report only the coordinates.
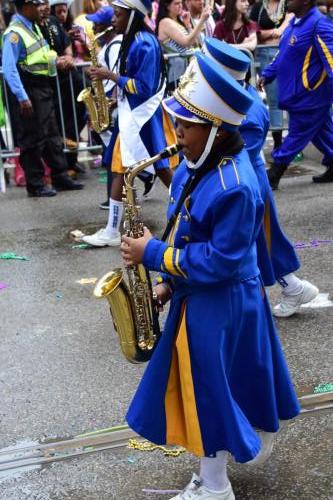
(142, 129)
(218, 374)
(277, 259)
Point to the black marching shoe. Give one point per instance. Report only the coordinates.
(325, 177)
(42, 192)
(65, 183)
(274, 175)
(78, 169)
(149, 184)
(105, 205)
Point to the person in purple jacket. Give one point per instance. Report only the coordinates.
(303, 69)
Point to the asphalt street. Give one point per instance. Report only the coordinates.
(62, 373)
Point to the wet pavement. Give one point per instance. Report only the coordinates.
(62, 374)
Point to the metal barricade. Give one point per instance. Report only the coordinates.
(182, 55)
(9, 151)
(256, 68)
(7, 147)
(82, 147)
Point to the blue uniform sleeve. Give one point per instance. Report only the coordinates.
(324, 45)
(12, 50)
(148, 63)
(254, 131)
(217, 259)
(254, 139)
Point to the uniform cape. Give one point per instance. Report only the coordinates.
(130, 123)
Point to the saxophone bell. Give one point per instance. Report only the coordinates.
(112, 287)
(94, 97)
(133, 306)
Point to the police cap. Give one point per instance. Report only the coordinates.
(20, 3)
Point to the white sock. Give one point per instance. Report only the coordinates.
(115, 216)
(291, 284)
(213, 471)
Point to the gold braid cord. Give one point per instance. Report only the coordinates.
(134, 444)
(194, 109)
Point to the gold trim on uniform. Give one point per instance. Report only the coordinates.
(305, 68)
(130, 86)
(225, 160)
(177, 265)
(168, 262)
(327, 53)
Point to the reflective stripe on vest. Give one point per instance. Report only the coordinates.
(36, 46)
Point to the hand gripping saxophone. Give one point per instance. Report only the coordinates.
(94, 97)
(133, 306)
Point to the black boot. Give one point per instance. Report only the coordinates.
(326, 176)
(41, 192)
(275, 173)
(65, 183)
(78, 169)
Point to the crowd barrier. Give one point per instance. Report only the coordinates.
(8, 150)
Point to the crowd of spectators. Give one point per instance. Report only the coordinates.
(181, 27)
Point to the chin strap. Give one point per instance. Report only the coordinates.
(130, 20)
(206, 151)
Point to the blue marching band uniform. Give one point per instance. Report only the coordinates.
(276, 255)
(143, 128)
(218, 373)
(303, 68)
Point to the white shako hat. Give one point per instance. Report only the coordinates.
(232, 60)
(142, 6)
(208, 94)
(61, 2)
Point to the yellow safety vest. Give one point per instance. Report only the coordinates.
(37, 49)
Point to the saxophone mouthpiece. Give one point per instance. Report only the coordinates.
(108, 30)
(170, 151)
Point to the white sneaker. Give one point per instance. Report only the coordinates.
(102, 239)
(290, 304)
(267, 443)
(194, 490)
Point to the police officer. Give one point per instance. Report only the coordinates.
(70, 80)
(28, 65)
(305, 87)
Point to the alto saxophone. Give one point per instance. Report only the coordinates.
(132, 305)
(94, 97)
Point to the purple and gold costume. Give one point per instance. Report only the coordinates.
(303, 68)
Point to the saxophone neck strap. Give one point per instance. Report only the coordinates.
(233, 145)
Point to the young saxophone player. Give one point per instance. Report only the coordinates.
(142, 129)
(218, 374)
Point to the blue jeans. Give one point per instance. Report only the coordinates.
(264, 56)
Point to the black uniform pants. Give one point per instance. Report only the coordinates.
(38, 136)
